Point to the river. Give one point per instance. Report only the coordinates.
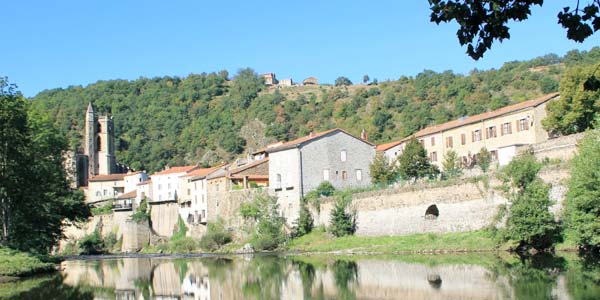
(457, 276)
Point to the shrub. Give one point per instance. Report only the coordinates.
(183, 245)
(105, 209)
(582, 203)
(215, 236)
(451, 165)
(181, 230)
(268, 233)
(484, 159)
(382, 171)
(414, 163)
(141, 212)
(305, 222)
(92, 244)
(342, 222)
(325, 189)
(530, 221)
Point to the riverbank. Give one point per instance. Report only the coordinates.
(19, 264)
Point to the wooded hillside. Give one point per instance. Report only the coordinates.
(207, 118)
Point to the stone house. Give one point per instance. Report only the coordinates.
(286, 82)
(109, 187)
(299, 166)
(270, 79)
(254, 174)
(310, 81)
(166, 185)
(502, 132)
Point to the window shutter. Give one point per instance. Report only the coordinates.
(472, 136)
(517, 123)
(526, 125)
(509, 128)
(502, 130)
(495, 132)
(487, 133)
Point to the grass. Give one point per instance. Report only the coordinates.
(319, 241)
(18, 264)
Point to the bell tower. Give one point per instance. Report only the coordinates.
(89, 146)
(106, 146)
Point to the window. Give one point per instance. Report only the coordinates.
(278, 182)
(344, 175)
(188, 192)
(506, 129)
(104, 192)
(168, 186)
(432, 141)
(522, 125)
(159, 197)
(449, 142)
(195, 186)
(195, 199)
(476, 135)
(490, 132)
(159, 187)
(433, 156)
(463, 139)
(358, 175)
(343, 155)
(422, 143)
(98, 193)
(169, 195)
(326, 175)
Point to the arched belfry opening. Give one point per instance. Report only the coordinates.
(432, 212)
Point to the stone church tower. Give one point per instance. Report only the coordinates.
(99, 143)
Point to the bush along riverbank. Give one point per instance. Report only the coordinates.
(20, 264)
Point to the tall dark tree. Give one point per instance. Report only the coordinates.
(342, 81)
(35, 195)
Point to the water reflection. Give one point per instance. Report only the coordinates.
(313, 277)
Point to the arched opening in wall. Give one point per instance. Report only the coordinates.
(99, 129)
(432, 212)
(435, 281)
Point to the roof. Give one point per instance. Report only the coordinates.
(486, 115)
(250, 176)
(201, 173)
(250, 165)
(110, 177)
(128, 195)
(305, 139)
(145, 182)
(386, 146)
(173, 170)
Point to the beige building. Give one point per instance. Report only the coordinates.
(500, 131)
(193, 203)
(111, 187)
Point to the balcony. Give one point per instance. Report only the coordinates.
(122, 205)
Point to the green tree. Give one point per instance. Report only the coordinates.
(35, 196)
(483, 22)
(484, 159)
(305, 222)
(343, 221)
(548, 85)
(342, 81)
(577, 106)
(268, 228)
(382, 171)
(365, 78)
(582, 201)
(245, 86)
(414, 163)
(451, 164)
(529, 222)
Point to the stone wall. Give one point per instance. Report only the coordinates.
(164, 218)
(563, 148)
(464, 206)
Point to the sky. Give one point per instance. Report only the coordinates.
(56, 44)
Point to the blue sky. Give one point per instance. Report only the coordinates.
(50, 44)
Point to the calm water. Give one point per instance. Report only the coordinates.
(318, 277)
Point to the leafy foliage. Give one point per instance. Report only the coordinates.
(92, 244)
(382, 171)
(484, 159)
(305, 222)
(452, 164)
(530, 221)
(414, 163)
(575, 110)
(215, 237)
(483, 22)
(268, 232)
(343, 222)
(583, 197)
(342, 81)
(142, 213)
(36, 198)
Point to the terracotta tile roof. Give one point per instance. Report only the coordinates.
(308, 138)
(250, 165)
(128, 195)
(486, 115)
(110, 177)
(203, 172)
(251, 176)
(386, 146)
(173, 170)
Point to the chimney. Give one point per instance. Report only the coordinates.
(363, 135)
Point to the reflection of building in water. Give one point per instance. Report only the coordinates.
(195, 287)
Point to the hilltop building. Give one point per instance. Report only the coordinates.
(310, 81)
(270, 79)
(502, 132)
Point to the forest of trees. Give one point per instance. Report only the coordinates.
(207, 118)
